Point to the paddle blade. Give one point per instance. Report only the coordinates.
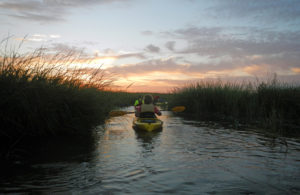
(117, 113)
(178, 109)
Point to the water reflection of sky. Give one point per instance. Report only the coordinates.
(184, 158)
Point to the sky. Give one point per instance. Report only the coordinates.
(159, 45)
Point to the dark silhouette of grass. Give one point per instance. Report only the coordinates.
(273, 105)
(42, 95)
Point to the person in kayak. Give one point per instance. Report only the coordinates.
(147, 109)
(138, 102)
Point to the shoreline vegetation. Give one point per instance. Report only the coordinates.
(272, 106)
(43, 99)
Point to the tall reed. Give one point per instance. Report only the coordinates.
(44, 95)
(272, 105)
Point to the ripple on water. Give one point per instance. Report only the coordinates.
(186, 157)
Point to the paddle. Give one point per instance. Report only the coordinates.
(178, 109)
(115, 113)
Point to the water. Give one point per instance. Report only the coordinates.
(186, 157)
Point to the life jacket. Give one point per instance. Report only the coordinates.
(137, 102)
(147, 108)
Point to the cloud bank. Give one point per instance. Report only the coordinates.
(47, 10)
(261, 11)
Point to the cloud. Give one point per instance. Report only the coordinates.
(262, 11)
(130, 55)
(237, 42)
(147, 32)
(54, 36)
(165, 74)
(296, 70)
(47, 10)
(171, 67)
(39, 37)
(33, 10)
(170, 45)
(247, 66)
(120, 55)
(37, 17)
(152, 48)
(21, 5)
(63, 47)
(193, 33)
(147, 67)
(95, 58)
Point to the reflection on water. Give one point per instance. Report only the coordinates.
(147, 139)
(186, 157)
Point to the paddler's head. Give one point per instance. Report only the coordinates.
(148, 99)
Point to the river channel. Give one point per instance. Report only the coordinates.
(186, 157)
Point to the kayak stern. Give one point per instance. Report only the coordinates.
(147, 124)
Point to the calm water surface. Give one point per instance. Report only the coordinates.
(186, 157)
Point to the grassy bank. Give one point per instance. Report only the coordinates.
(273, 105)
(42, 97)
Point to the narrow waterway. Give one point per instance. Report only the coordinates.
(186, 157)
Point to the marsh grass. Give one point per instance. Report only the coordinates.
(271, 105)
(43, 95)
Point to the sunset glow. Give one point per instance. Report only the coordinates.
(105, 61)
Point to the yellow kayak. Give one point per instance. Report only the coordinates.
(147, 124)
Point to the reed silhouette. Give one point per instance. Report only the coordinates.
(272, 105)
(43, 94)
